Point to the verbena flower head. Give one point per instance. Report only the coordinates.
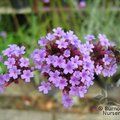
(103, 56)
(3, 79)
(66, 63)
(18, 67)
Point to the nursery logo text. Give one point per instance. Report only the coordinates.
(109, 110)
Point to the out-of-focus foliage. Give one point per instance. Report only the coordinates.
(98, 17)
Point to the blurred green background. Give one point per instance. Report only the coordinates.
(99, 16)
(23, 22)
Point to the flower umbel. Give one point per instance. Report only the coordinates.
(65, 61)
(18, 67)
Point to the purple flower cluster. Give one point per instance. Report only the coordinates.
(18, 67)
(103, 56)
(66, 63)
(3, 79)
